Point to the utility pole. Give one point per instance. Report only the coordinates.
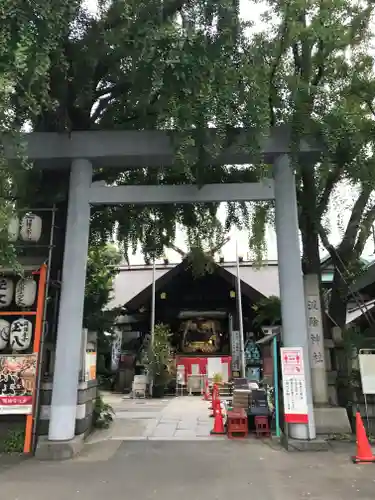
(240, 317)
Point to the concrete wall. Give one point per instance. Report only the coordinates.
(86, 395)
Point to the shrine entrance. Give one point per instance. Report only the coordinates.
(84, 151)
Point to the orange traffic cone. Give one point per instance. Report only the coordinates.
(206, 393)
(364, 452)
(218, 422)
(215, 398)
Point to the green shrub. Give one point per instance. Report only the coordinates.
(13, 441)
(103, 414)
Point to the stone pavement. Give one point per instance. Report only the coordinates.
(185, 470)
(180, 418)
(161, 450)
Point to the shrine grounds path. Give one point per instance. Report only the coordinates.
(189, 470)
(162, 450)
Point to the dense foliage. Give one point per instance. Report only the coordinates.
(159, 355)
(177, 64)
(267, 312)
(102, 268)
(189, 64)
(322, 80)
(26, 44)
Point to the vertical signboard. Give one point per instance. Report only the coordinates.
(236, 351)
(116, 349)
(314, 325)
(294, 385)
(90, 368)
(367, 370)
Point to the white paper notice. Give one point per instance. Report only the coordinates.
(294, 385)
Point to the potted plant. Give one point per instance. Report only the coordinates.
(217, 379)
(159, 360)
(267, 312)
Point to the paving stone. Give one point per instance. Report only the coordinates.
(204, 422)
(164, 430)
(159, 419)
(185, 433)
(202, 433)
(134, 415)
(187, 424)
(170, 420)
(151, 426)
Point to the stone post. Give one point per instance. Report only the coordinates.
(293, 310)
(316, 339)
(69, 331)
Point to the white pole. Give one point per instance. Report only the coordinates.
(153, 304)
(152, 322)
(240, 317)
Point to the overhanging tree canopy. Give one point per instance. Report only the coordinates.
(187, 64)
(27, 43)
(176, 64)
(321, 78)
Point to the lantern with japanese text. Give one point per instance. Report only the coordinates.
(6, 292)
(21, 331)
(25, 292)
(13, 229)
(4, 333)
(31, 228)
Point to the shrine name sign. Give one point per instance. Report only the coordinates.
(294, 385)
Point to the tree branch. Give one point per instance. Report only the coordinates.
(332, 179)
(173, 7)
(114, 91)
(350, 236)
(320, 55)
(325, 241)
(176, 249)
(101, 107)
(148, 111)
(320, 71)
(365, 230)
(284, 30)
(116, 88)
(297, 58)
(371, 107)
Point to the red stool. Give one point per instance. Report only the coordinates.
(237, 423)
(262, 428)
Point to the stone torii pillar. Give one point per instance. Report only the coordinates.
(293, 307)
(69, 330)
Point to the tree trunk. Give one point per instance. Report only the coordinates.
(337, 304)
(308, 223)
(340, 288)
(309, 226)
(347, 255)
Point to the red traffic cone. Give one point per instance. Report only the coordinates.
(206, 393)
(364, 451)
(215, 400)
(213, 397)
(218, 422)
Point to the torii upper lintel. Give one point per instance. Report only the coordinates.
(147, 148)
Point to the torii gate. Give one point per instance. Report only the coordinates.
(83, 151)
